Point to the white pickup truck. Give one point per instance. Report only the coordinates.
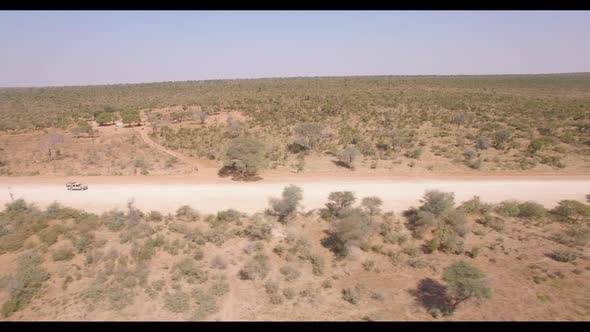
(76, 186)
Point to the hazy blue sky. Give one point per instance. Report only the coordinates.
(102, 47)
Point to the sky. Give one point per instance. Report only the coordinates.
(54, 48)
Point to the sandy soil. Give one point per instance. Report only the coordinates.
(166, 194)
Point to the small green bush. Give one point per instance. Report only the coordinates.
(63, 254)
(186, 268)
(186, 213)
(258, 267)
(28, 281)
(290, 273)
(565, 256)
(508, 208)
(155, 216)
(228, 216)
(572, 211)
(177, 302)
(351, 295)
(531, 210)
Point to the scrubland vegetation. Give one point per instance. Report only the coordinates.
(350, 260)
(469, 123)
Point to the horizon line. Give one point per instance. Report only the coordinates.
(282, 77)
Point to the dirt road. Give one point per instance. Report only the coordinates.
(167, 194)
(206, 169)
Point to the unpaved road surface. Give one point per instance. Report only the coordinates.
(166, 195)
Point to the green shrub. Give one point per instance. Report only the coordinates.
(259, 230)
(136, 232)
(186, 213)
(351, 295)
(502, 138)
(27, 282)
(63, 254)
(464, 282)
(475, 205)
(574, 235)
(413, 153)
(83, 243)
(437, 202)
(206, 302)
(258, 267)
(288, 203)
(508, 208)
(572, 211)
(372, 204)
(50, 234)
(230, 215)
(492, 221)
(535, 145)
(531, 210)
(290, 273)
(565, 256)
(412, 250)
(308, 135)
(177, 302)
(186, 268)
(317, 264)
(155, 216)
(244, 157)
(219, 287)
(114, 220)
(146, 251)
(104, 118)
(352, 228)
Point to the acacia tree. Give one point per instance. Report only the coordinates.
(130, 117)
(288, 203)
(308, 135)
(437, 202)
(244, 157)
(342, 199)
(465, 282)
(572, 211)
(351, 228)
(347, 156)
(438, 213)
(339, 201)
(372, 204)
(104, 118)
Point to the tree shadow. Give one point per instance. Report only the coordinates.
(342, 164)
(334, 244)
(411, 216)
(295, 148)
(432, 295)
(227, 171)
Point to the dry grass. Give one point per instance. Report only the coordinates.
(99, 277)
